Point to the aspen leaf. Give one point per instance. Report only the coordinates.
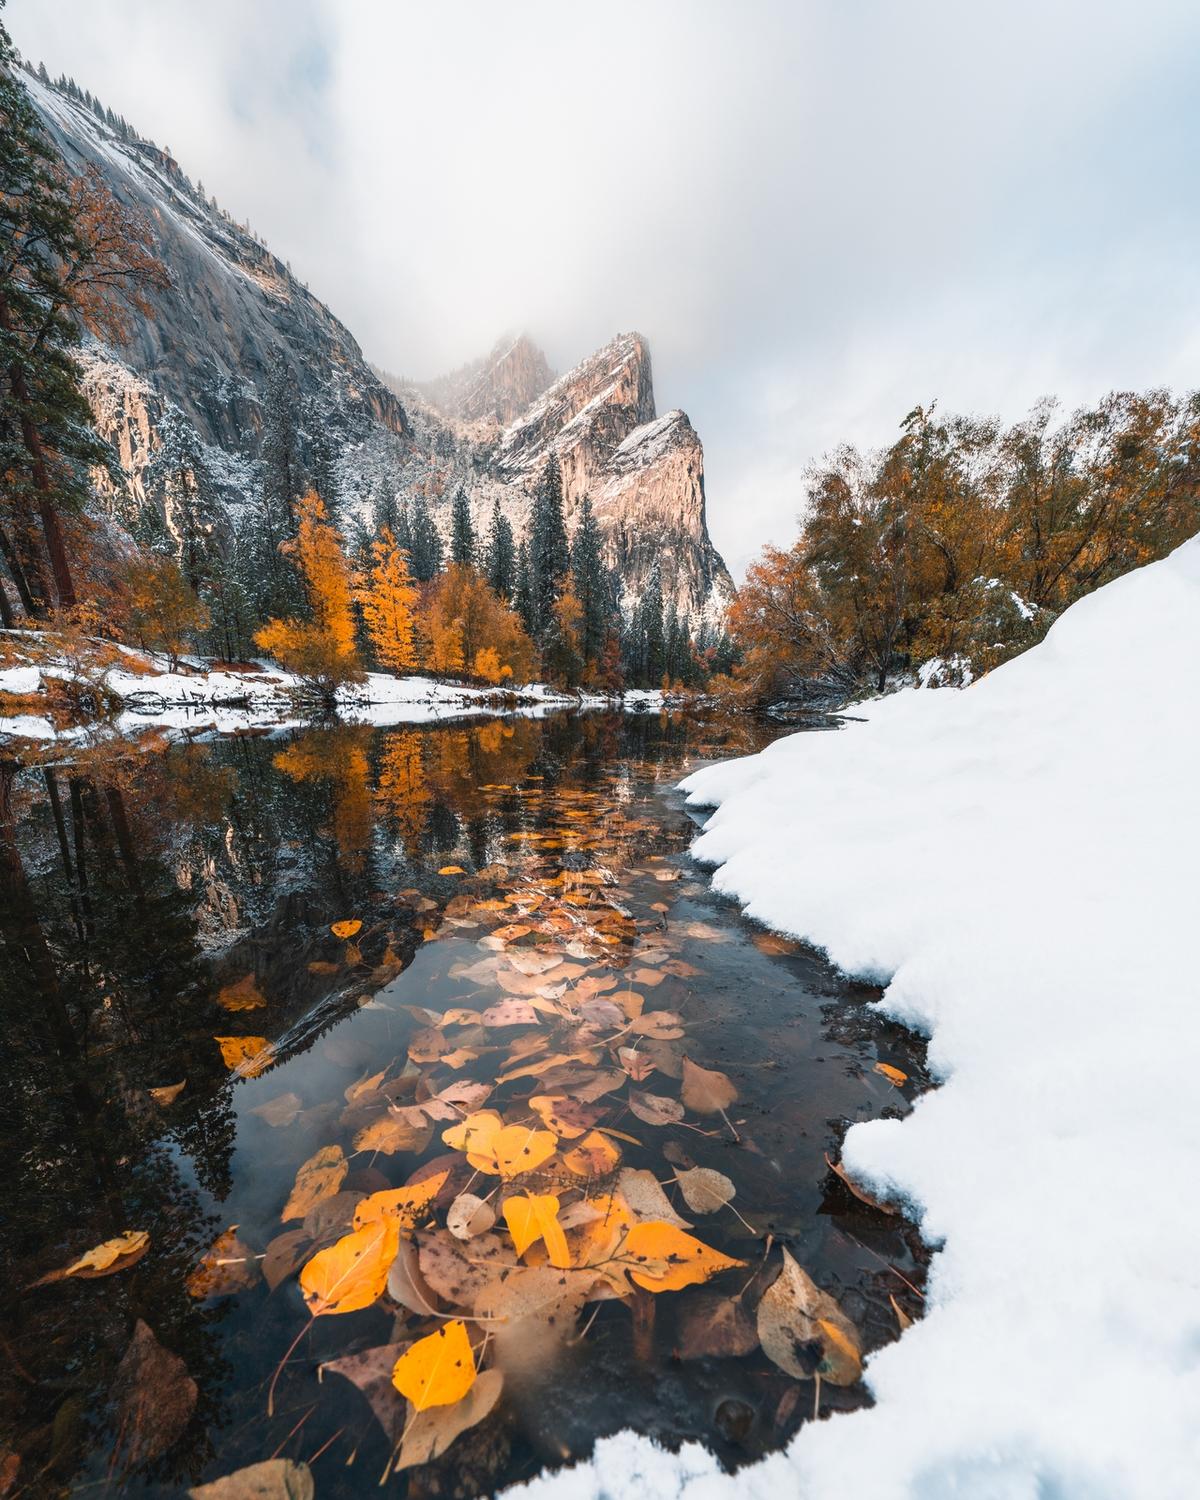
(520, 1148)
(393, 1133)
(249, 1055)
(407, 1286)
(437, 1370)
(534, 1217)
(371, 1371)
(273, 1479)
(705, 1090)
(704, 1190)
(348, 928)
(429, 1433)
(636, 1064)
(474, 1137)
(405, 1206)
(452, 870)
(531, 1313)
(154, 1397)
(228, 1266)
(664, 1025)
(859, 1192)
(567, 1118)
(510, 1012)
(167, 1094)
(106, 1259)
(648, 978)
(281, 1110)
(244, 995)
(460, 1272)
(804, 1331)
(715, 1327)
(893, 1075)
(351, 1273)
(684, 1260)
(594, 1156)
(655, 1109)
(469, 1216)
(284, 1255)
(901, 1316)
(644, 1195)
(320, 1177)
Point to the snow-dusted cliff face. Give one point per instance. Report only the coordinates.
(234, 314)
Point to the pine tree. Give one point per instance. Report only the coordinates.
(402, 530)
(591, 583)
(386, 514)
(462, 532)
(388, 601)
(425, 544)
(501, 556)
(549, 555)
(523, 588)
(323, 475)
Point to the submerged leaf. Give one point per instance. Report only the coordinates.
(594, 1156)
(893, 1075)
(715, 1327)
(371, 1371)
(655, 1109)
(228, 1266)
(248, 1055)
(805, 1332)
(244, 995)
(353, 1272)
(320, 1177)
(437, 1370)
(273, 1479)
(706, 1090)
(348, 928)
(431, 1432)
(704, 1190)
(281, 1110)
(644, 1194)
(167, 1094)
(155, 1397)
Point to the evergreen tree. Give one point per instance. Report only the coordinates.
(501, 555)
(425, 544)
(323, 476)
(387, 515)
(645, 647)
(523, 588)
(462, 532)
(279, 592)
(592, 584)
(549, 555)
(402, 530)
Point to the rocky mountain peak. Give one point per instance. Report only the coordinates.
(495, 389)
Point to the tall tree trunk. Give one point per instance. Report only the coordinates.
(77, 826)
(64, 849)
(30, 590)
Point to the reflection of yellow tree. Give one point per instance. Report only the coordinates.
(338, 756)
(403, 791)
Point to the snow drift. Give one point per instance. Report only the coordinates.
(1018, 861)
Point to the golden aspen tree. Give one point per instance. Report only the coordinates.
(388, 597)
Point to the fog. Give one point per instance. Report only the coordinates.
(819, 214)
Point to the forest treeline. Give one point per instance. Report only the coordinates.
(961, 543)
(282, 570)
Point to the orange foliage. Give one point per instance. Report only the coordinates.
(466, 622)
(388, 597)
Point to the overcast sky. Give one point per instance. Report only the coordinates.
(819, 212)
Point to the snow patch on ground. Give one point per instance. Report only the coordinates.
(1018, 860)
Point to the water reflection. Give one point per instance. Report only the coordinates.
(156, 899)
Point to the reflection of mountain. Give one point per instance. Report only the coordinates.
(235, 314)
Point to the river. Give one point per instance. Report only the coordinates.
(236, 970)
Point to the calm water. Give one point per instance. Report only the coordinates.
(186, 893)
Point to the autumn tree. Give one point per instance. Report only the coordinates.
(163, 611)
(465, 621)
(321, 649)
(388, 598)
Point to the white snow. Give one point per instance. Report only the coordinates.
(1019, 861)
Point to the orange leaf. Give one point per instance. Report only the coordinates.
(893, 1075)
(319, 1178)
(247, 1054)
(450, 870)
(595, 1156)
(687, 1260)
(535, 1217)
(347, 928)
(352, 1273)
(438, 1370)
(244, 995)
(404, 1205)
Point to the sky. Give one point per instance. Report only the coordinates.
(820, 213)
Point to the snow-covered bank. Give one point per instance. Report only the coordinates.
(1019, 860)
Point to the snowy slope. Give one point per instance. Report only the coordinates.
(1020, 861)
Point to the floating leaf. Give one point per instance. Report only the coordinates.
(249, 1055)
(655, 1109)
(281, 1110)
(348, 928)
(893, 1075)
(510, 1012)
(705, 1090)
(715, 1327)
(532, 1217)
(636, 1063)
(437, 1370)
(429, 1433)
(320, 1177)
(805, 1332)
(154, 1395)
(244, 995)
(407, 1286)
(648, 978)
(685, 1259)
(273, 1479)
(520, 1148)
(452, 870)
(167, 1094)
(458, 1272)
(469, 1216)
(901, 1316)
(644, 1195)
(704, 1191)
(332, 1215)
(284, 1255)
(106, 1259)
(371, 1371)
(665, 1025)
(394, 1133)
(405, 1206)
(531, 1313)
(859, 1192)
(352, 1273)
(228, 1266)
(567, 1118)
(594, 1156)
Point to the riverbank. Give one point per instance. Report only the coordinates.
(1016, 861)
(136, 690)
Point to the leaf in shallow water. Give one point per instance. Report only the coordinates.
(643, 1193)
(706, 1090)
(665, 1025)
(893, 1075)
(804, 1331)
(567, 1118)
(319, 1177)
(859, 1192)
(393, 1133)
(248, 1055)
(452, 870)
(647, 978)
(281, 1110)
(155, 1398)
(106, 1259)
(405, 1206)
(655, 1109)
(228, 1266)
(459, 1272)
(704, 1190)
(715, 1327)
(407, 1286)
(371, 1371)
(274, 1479)
(901, 1316)
(669, 1258)
(636, 1063)
(331, 1216)
(428, 1045)
(521, 1148)
(352, 1273)
(437, 1370)
(348, 928)
(431, 1432)
(284, 1255)
(244, 995)
(167, 1094)
(531, 1217)
(469, 1216)
(594, 1156)
(510, 1012)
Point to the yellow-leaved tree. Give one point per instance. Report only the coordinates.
(473, 631)
(388, 597)
(320, 650)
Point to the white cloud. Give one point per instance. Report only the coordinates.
(819, 215)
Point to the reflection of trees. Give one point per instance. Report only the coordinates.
(337, 758)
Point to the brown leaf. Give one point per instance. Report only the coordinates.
(407, 1286)
(371, 1372)
(332, 1215)
(228, 1266)
(274, 1479)
(567, 1118)
(901, 1316)
(510, 1012)
(635, 1062)
(705, 1191)
(284, 1255)
(431, 1432)
(281, 1110)
(319, 1177)
(664, 1025)
(155, 1397)
(859, 1192)
(244, 995)
(715, 1327)
(805, 1332)
(460, 1272)
(594, 1156)
(394, 1133)
(167, 1094)
(469, 1216)
(643, 1193)
(535, 1310)
(655, 1109)
(705, 1090)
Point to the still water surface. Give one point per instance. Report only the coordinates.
(169, 910)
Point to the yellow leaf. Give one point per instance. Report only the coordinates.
(687, 1261)
(353, 1272)
(451, 870)
(248, 1054)
(520, 1148)
(535, 1217)
(594, 1156)
(390, 1135)
(405, 1205)
(893, 1075)
(103, 1260)
(244, 995)
(474, 1136)
(437, 1370)
(319, 1178)
(347, 928)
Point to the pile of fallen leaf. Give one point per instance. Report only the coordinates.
(511, 1115)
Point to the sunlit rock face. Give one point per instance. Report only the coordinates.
(234, 315)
